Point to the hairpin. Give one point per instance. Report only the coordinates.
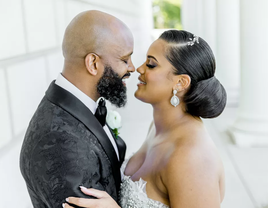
(193, 40)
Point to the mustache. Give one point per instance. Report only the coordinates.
(126, 75)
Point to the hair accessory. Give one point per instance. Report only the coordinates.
(175, 100)
(193, 40)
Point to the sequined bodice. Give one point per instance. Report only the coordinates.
(133, 194)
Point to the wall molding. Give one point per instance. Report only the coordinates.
(24, 57)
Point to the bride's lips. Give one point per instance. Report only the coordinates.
(141, 82)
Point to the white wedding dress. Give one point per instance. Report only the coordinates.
(133, 193)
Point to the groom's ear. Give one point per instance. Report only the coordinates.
(92, 63)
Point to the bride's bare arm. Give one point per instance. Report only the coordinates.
(192, 179)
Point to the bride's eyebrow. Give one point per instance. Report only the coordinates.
(149, 56)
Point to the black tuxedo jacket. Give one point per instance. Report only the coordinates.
(65, 147)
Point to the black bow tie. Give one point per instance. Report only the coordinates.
(101, 112)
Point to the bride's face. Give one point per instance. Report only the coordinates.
(156, 76)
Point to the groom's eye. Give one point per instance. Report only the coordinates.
(125, 61)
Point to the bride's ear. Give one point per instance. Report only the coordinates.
(92, 62)
(183, 81)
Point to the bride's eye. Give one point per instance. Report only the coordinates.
(150, 66)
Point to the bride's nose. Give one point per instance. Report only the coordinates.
(141, 69)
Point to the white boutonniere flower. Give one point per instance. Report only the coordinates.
(113, 119)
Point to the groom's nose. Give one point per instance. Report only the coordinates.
(131, 67)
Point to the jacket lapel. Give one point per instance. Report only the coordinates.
(76, 108)
(121, 145)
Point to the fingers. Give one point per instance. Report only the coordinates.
(65, 205)
(94, 192)
(81, 202)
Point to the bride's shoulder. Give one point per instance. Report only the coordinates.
(193, 169)
(193, 154)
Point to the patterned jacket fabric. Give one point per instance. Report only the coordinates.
(61, 152)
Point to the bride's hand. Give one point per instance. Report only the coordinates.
(103, 200)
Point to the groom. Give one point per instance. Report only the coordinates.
(65, 145)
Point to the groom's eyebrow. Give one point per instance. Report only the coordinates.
(149, 56)
(128, 55)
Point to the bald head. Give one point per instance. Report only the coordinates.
(93, 32)
(95, 42)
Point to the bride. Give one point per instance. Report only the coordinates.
(178, 165)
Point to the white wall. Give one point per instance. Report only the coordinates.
(30, 58)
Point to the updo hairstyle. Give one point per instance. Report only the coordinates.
(192, 55)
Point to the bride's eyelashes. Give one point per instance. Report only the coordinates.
(150, 66)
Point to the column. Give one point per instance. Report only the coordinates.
(228, 48)
(191, 15)
(199, 17)
(251, 126)
(209, 24)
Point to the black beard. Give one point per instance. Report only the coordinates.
(111, 88)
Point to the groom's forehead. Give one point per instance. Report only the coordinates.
(122, 45)
(119, 52)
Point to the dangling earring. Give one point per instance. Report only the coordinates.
(175, 100)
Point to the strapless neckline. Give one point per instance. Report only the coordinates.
(133, 193)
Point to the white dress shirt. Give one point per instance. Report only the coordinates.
(87, 101)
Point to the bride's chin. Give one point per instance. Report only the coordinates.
(137, 95)
(142, 99)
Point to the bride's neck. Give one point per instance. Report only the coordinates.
(168, 117)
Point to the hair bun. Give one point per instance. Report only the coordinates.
(207, 99)
(211, 79)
